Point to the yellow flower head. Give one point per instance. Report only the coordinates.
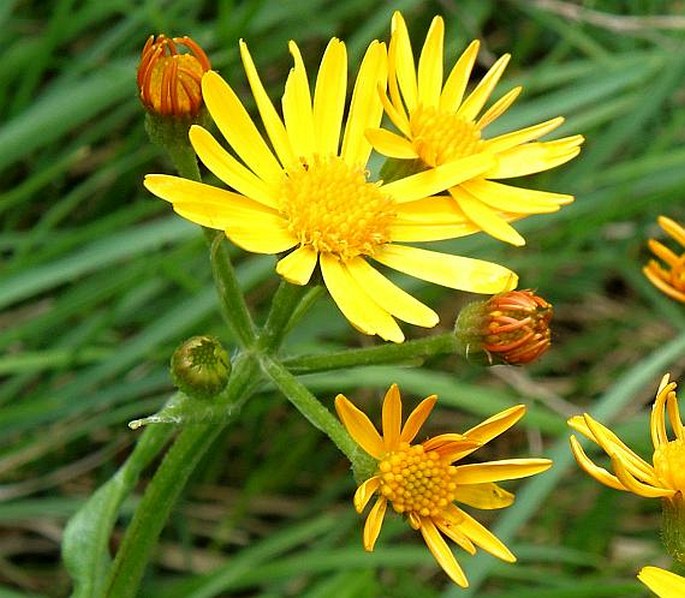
(306, 193)
(665, 476)
(438, 124)
(663, 583)
(421, 482)
(168, 81)
(669, 279)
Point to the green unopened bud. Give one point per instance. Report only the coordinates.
(200, 367)
(511, 327)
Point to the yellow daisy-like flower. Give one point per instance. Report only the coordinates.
(665, 476)
(421, 482)
(311, 195)
(669, 279)
(663, 583)
(437, 126)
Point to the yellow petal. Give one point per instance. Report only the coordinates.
(414, 232)
(391, 145)
(483, 496)
(499, 423)
(672, 228)
(515, 199)
(477, 98)
(453, 91)
(663, 583)
(453, 533)
(366, 109)
(273, 124)
(486, 218)
(297, 107)
(455, 272)
(657, 420)
(498, 108)
(365, 492)
(373, 524)
(297, 267)
(355, 304)
(359, 427)
(632, 484)
(430, 64)
(451, 447)
(329, 97)
(438, 179)
(659, 277)
(506, 141)
(484, 538)
(260, 233)
(392, 418)
(390, 297)
(613, 445)
(417, 418)
(237, 127)
(204, 204)
(442, 553)
(534, 157)
(506, 469)
(396, 113)
(598, 473)
(229, 170)
(402, 69)
(665, 254)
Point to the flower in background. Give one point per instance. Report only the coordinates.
(421, 482)
(663, 478)
(511, 327)
(669, 279)
(310, 197)
(663, 583)
(168, 81)
(437, 125)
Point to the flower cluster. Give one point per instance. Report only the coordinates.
(303, 191)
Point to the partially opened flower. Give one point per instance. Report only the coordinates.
(669, 278)
(663, 478)
(438, 124)
(421, 482)
(663, 583)
(309, 195)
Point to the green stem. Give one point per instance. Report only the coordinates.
(379, 354)
(232, 303)
(168, 482)
(320, 417)
(284, 304)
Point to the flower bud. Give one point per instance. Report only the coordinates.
(200, 367)
(511, 327)
(169, 82)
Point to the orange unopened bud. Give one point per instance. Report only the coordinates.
(169, 82)
(669, 277)
(511, 327)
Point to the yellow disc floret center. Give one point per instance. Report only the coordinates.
(415, 481)
(669, 463)
(332, 207)
(441, 137)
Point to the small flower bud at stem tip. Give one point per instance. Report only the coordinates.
(511, 327)
(200, 367)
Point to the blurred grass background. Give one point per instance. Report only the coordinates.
(99, 282)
